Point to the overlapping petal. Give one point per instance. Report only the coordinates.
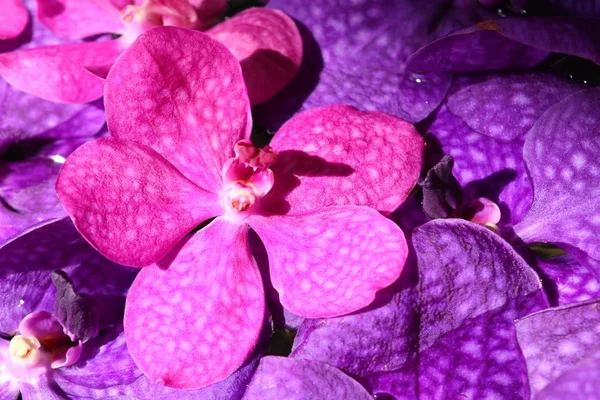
(267, 44)
(561, 152)
(562, 355)
(331, 261)
(129, 202)
(57, 73)
(286, 378)
(13, 20)
(205, 309)
(507, 43)
(183, 94)
(9, 389)
(74, 19)
(341, 156)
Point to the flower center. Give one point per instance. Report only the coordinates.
(25, 349)
(246, 178)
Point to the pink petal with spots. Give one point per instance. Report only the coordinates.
(332, 261)
(196, 321)
(269, 47)
(57, 73)
(129, 202)
(343, 156)
(13, 19)
(76, 19)
(183, 94)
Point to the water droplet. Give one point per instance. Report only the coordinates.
(57, 158)
(21, 302)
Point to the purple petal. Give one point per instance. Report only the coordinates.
(286, 378)
(507, 43)
(9, 389)
(561, 350)
(561, 152)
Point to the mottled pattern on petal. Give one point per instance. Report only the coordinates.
(286, 378)
(57, 73)
(507, 43)
(507, 107)
(41, 388)
(183, 94)
(76, 19)
(267, 44)
(331, 261)
(13, 223)
(28, 186)
(13, 19)
(204, 309)
(486, 167)
(129, 202)
(561, 350)
(562, 152)
(341, 156)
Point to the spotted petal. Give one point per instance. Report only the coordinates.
(205, 309)
(339, 155)
(331, 261)
(562, 355)
(13, 19)
(561, 152)
(129, 202)
(286, 378)
(183, 94)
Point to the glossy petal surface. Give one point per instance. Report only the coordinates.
(205, 309)
(562, 355)
(268, 46)
(341, 156)
(507, 43)
(13, 19)
(129, 202)
(561, 152)
(57, 73)
(331, 261)
(183, 94)
(75, 19)
(286, 378)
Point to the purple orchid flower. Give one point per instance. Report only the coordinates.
(35, 138)
(13, 20)
(448, 334)
(170, 164)
(266, 43)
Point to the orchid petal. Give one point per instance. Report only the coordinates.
(129, 202)
(268, 46)
(205, 309)
(9, 389)
(286, 378)
(331, 261)
(13, 223)
(561, 152)
(182, 94)
(13, 20)
(57, 73)
(336, 154)
(507, 43)
(76, 19)
(506, 107)
(561, 352)
(208, 10)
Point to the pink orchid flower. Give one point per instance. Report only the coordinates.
(13, 18)
(265, 41)
(179, 117)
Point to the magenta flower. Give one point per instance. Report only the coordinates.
(177, 108)
(14, 18)
(266, 42)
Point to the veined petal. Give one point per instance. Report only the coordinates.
(183, 94)
(331, 261)
(563, 359)
(76, 19)
(129, 202)
(561, 152)
(290, 379)
(9, 389)
(205, 310)
(267, 44)
(13, 19)
(343, 156)
(57, 73)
